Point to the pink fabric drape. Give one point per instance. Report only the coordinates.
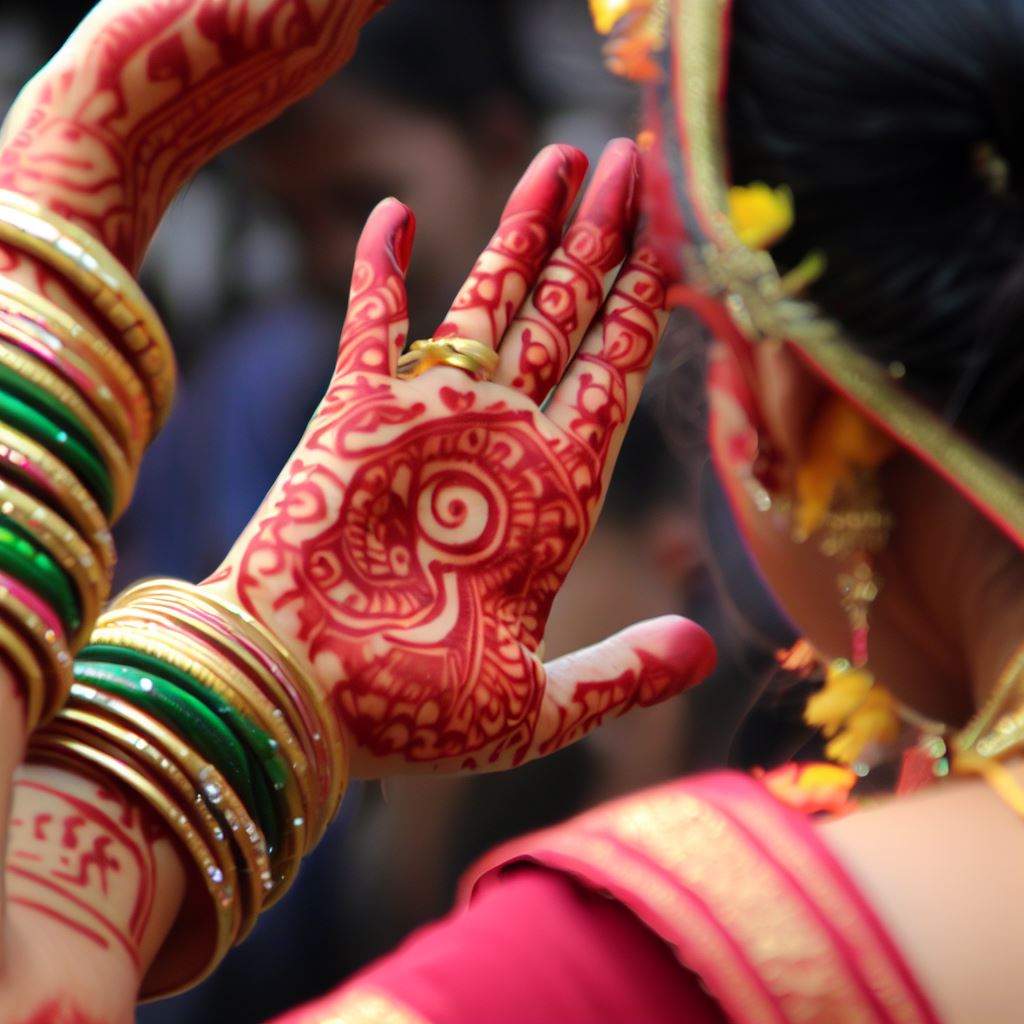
(534, 948)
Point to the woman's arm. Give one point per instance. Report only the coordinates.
(139, 98)
(943, 871)
(145, 93)
(93, 885)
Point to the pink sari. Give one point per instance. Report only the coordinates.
(616, 915)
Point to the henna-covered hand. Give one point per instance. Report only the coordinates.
(411, 549)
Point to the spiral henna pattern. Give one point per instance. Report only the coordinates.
(413, 548)
(427, 576)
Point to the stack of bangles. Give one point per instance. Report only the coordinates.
(183, 701)
(196, 708)
(78, 405)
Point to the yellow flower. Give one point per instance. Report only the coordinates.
(810, 788)
(843, 693)
(607, 12)
(853, 712)
(842, 444)
(760, 214)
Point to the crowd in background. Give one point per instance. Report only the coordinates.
(251, 270)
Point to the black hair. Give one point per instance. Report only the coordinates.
(876, 114)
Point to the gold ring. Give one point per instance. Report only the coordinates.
(476, 358)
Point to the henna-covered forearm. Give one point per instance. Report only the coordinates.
(94, 884)
(148, 91)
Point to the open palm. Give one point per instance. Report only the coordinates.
(412, 548)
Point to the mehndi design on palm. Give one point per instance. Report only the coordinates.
(413, 546)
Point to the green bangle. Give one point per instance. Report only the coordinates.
(79, 456)
(32, 394)
(196, 724)
(190, 718)
(22, 557)
(267, 771)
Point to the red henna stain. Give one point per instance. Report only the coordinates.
(169, 61)
(139, 144)
(58, 1011)
(457, 401)
(655, 679)
(415, 550)
(97, 858)
(528, 231)
(71, 826)
(571, 286)
(70, 874)
(90, 934)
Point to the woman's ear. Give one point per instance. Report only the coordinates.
(789, 397)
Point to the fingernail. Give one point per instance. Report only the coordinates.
(404, 236)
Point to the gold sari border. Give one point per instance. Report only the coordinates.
(747, 900)
(700, 36)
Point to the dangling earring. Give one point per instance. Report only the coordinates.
(838, 497)
(837, 500)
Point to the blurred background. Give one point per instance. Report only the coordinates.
(443, 107)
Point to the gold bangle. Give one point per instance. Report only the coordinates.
(122, 473)
(329, 740)
(131, 746)
(109, 286)
(42, 471)
(263, 711)
(285, 864)
(30, 673)
(66, 546)
(476, 358)
(168, 760)
(51, 651)
(96, 707)
(280, 690)
(117, 392)
(230, 650)
(181, 963)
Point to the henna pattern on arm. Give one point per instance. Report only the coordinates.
(146, 93)
(86, 863)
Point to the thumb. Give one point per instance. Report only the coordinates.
(377, 320)
(642, 665)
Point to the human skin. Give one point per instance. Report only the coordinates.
(138, 100)
(941, 867)
(411, 550)
(128, 110)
